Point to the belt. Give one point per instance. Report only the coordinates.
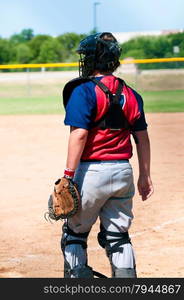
(98, 160)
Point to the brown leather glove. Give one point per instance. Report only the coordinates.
(64, 202)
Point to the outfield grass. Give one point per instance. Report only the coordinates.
(31, 105)
(164, 101)
(154, 101)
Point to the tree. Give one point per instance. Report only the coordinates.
(5, 51)
(154, 46)
(27, 34)
(135, 53)
(23, 54)
(177, 39)
(24, 36)
(24, 47)
(50, 51)
(70, 42)
(35, 45)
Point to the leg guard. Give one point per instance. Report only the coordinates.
(125, 273)
(75, 265)
(81, 272)
(113, 242)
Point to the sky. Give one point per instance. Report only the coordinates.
(55, 17)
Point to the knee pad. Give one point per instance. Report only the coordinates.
(118, 239)
(66, 232)
(113, 245)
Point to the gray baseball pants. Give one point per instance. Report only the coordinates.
(107, 189)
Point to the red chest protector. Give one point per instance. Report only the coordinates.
(114, 118)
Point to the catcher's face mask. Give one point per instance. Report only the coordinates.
(97, 53)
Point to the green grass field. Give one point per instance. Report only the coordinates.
(31, 105)
(164, 101)
(154, 101)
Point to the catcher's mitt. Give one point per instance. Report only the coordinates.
(64, 201)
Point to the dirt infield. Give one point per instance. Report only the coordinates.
(33, 152)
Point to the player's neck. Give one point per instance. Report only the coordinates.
(97, 73)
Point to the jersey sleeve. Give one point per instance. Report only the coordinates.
(140, 124)
(80, 108)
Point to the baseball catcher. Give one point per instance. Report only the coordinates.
(103, 112)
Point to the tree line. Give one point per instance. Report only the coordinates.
(163, 46)
(26, 47)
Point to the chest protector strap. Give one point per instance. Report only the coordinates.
(114, 118)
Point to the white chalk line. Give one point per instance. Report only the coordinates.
(159, 227)
(155, 228)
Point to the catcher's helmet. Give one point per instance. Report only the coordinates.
(99, 51)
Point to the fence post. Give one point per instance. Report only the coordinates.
(28, 83)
